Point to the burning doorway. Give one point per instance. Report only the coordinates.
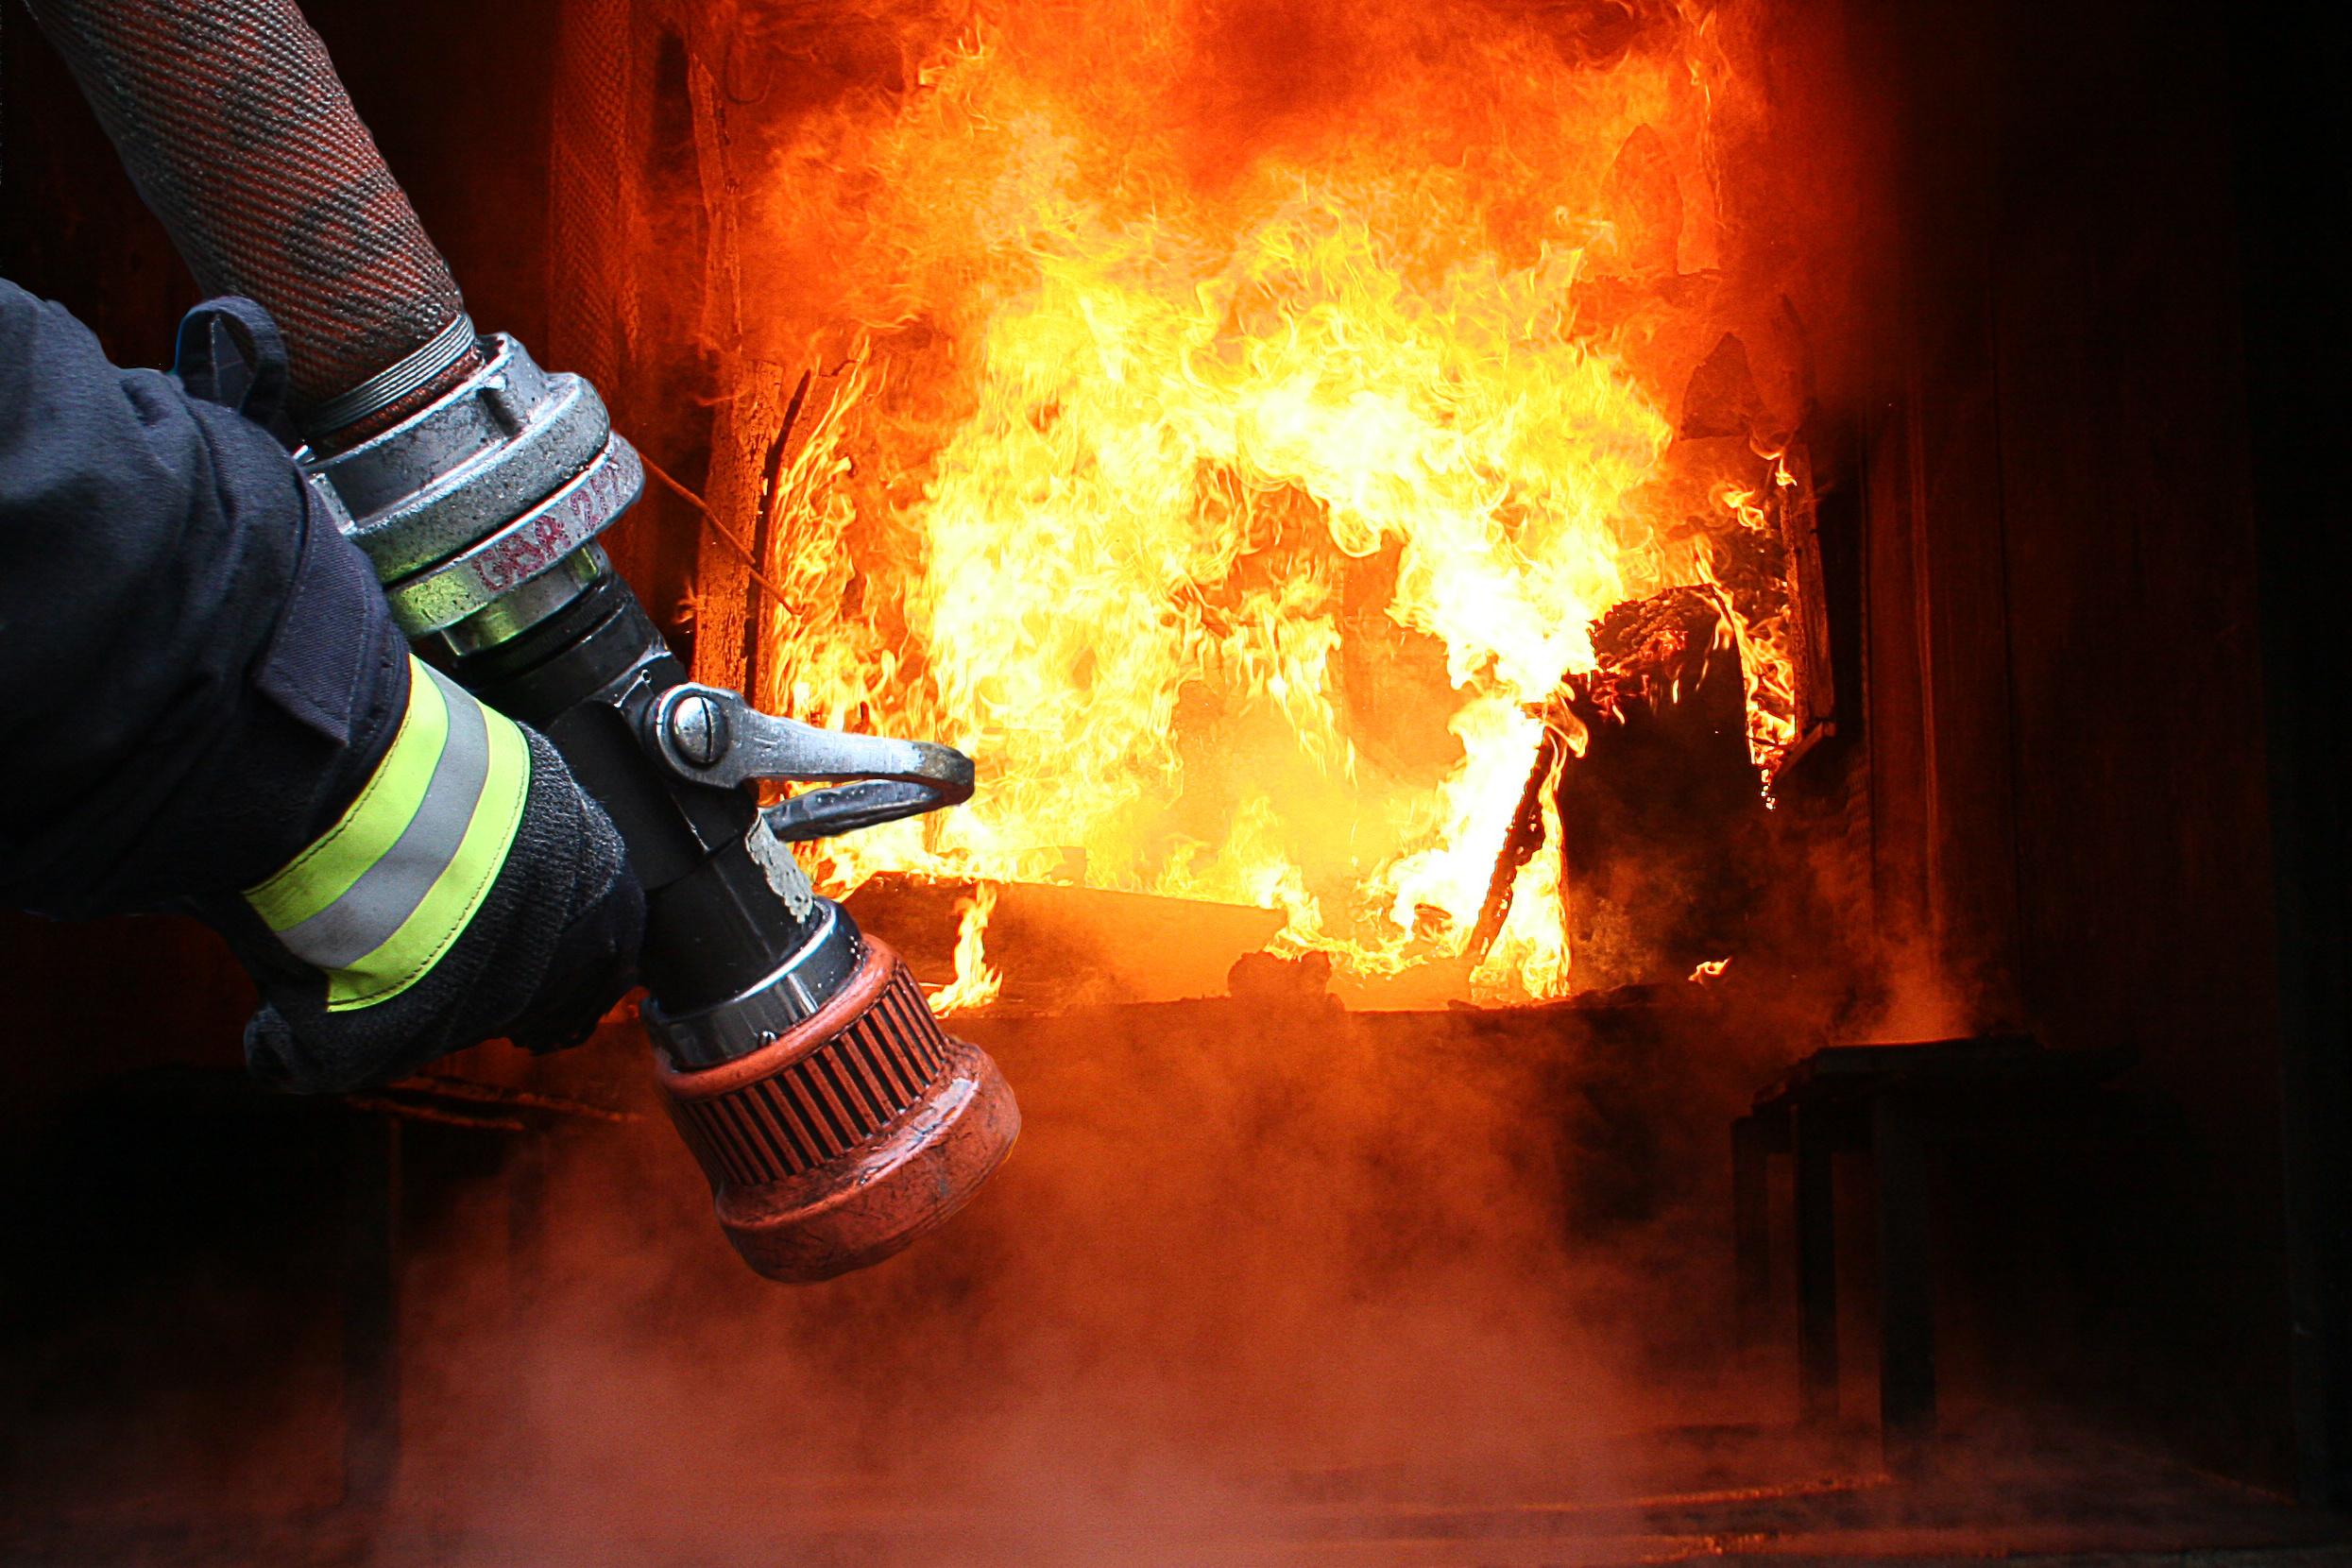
(1284, 445)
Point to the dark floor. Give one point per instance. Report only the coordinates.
(1732, 1494)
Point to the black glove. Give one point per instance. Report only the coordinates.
(551, 948)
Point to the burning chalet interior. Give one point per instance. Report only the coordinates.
(1658, 851)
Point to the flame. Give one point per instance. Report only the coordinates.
(1236, 482)
(977, 982)
(1765, 659)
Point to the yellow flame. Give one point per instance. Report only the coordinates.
(977, 982)
(1762, 641)
(1241, 525)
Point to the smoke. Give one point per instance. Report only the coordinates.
(1261, 1285)
(1253, 1275)
(1918, 998)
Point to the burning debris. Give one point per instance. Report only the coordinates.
(1057, 945)
(1237, 484)
(1659, 810)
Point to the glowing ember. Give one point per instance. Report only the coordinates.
(1234, 467)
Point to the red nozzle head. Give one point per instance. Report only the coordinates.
(858, 1131)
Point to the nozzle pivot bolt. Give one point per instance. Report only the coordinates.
(698, 730)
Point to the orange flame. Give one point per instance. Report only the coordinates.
(977, 982)
(1234, 469)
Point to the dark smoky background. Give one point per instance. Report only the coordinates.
(1262, 1269)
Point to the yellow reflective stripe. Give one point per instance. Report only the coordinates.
(410, 952)
(379, 898)
(340, 856)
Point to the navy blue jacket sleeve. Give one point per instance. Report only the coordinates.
(156, 740)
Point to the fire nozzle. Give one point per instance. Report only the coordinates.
(834, 1117)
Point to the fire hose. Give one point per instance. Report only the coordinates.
(836, 1120)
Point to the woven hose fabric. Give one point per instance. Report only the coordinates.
(237, 132)
(589, 291)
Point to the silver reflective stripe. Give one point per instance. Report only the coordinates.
(367, 913)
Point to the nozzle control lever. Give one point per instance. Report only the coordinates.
(708, 735)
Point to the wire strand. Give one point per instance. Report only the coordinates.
(750, 564)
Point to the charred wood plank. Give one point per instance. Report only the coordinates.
(1662, 810)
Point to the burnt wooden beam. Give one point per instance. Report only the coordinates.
(1663, 810)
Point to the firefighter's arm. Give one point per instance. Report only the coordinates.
(205, 706)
